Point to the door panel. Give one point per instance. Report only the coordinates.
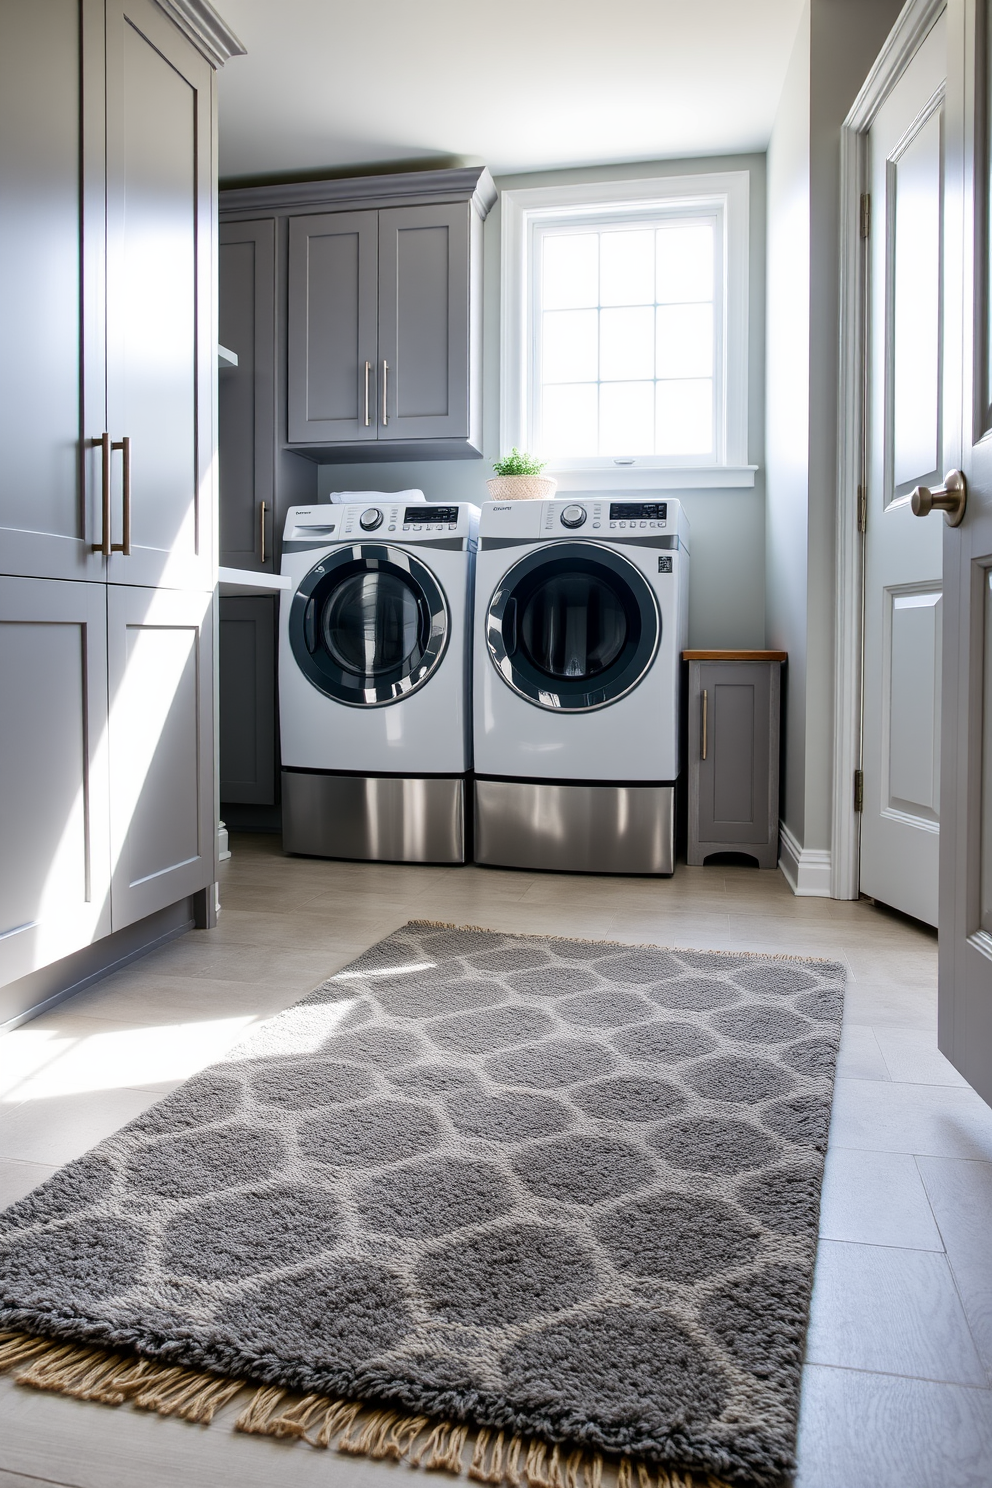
(964, 1022)
(899, 844)
(159, 299)
(424, 321)
(733, 793)
(47, 523)
(332, 327)
(246, 418)
(161, 748)
(55, 863)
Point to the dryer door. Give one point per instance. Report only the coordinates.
(573, 626)
(369, 625)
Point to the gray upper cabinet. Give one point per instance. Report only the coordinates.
(425, 330)
(333, 317)
(381, 277)
(246, 395)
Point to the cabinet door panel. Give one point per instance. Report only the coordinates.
(246, 393)
(51, 68)
(55, 862)
(247, 701)
(332, 326)
(163, 819)
(424, 321)
(734, 778)
(159, 296)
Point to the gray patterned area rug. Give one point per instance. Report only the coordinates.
(482, 1202)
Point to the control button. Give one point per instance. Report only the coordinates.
(417, 527)
(644, 524)
(597, 524)
(623, 524)
(406, 526)
(370, 519)
(613, 524)
(391, 527)
(573, 516)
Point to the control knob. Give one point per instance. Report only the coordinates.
(573, 516)
(370, 519)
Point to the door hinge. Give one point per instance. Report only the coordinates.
(862, 508)
(865, 215)
(859, 790)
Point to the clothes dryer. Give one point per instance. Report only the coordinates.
(580, 619)
(374, 680)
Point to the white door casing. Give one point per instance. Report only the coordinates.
(964, 1029)
(905, 448)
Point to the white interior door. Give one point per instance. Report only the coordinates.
(163, 823)
(906, 448)
(964, 1030)
(54, 816)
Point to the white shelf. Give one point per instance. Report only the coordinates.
(234, 581)
(226, 358)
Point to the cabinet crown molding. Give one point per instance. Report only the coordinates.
(401, 188)
(206, 30)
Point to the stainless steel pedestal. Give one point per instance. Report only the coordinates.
(379, 818)
(575, 828)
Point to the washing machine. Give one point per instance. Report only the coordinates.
(375, 680)
(580, 620)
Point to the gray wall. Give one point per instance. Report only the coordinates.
(727, 594)
(837, 42)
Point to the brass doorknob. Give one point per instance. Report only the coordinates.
(951, 498)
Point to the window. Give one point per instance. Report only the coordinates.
(625, 326)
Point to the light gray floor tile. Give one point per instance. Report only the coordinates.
(912, 1056)
(19, 1178)
(875, 1431)
(891, 1311)
(860, 1057)
(886, 1004)
(936, 1120)
(876, 1198)
(52, 1132)
(961, 1197)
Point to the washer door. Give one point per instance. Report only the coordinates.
(368, 625)
(573, 626)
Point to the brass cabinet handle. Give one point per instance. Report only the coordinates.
(705, 702)
(385, 407)
(103, 546)
(261, 526)
(368, 369)
(951, 498)
(125, 449)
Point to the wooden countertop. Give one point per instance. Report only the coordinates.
(735, 655)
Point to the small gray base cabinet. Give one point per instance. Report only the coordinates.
(733, 752)
(248, 700)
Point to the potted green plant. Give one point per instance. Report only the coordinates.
(518, 478)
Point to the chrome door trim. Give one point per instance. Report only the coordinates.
(329, 679)
(546, 697)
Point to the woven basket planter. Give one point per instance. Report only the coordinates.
(522, 487)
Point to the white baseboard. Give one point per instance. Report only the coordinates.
(806, 869)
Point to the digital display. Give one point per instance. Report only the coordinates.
(421, 514)
(639, 511)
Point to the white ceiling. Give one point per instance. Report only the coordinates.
(515, 84)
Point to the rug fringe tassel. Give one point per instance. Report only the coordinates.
(89, 1372)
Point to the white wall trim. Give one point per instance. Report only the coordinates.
(914, 23)
(806, 869)
(522, 210)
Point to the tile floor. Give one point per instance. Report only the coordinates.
(899, 1360)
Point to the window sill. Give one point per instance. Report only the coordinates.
(643, 475)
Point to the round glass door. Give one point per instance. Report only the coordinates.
(573, 627)
(368, 625)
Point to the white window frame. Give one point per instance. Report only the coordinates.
(525, 213)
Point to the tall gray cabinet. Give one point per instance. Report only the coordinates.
(107, 506)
